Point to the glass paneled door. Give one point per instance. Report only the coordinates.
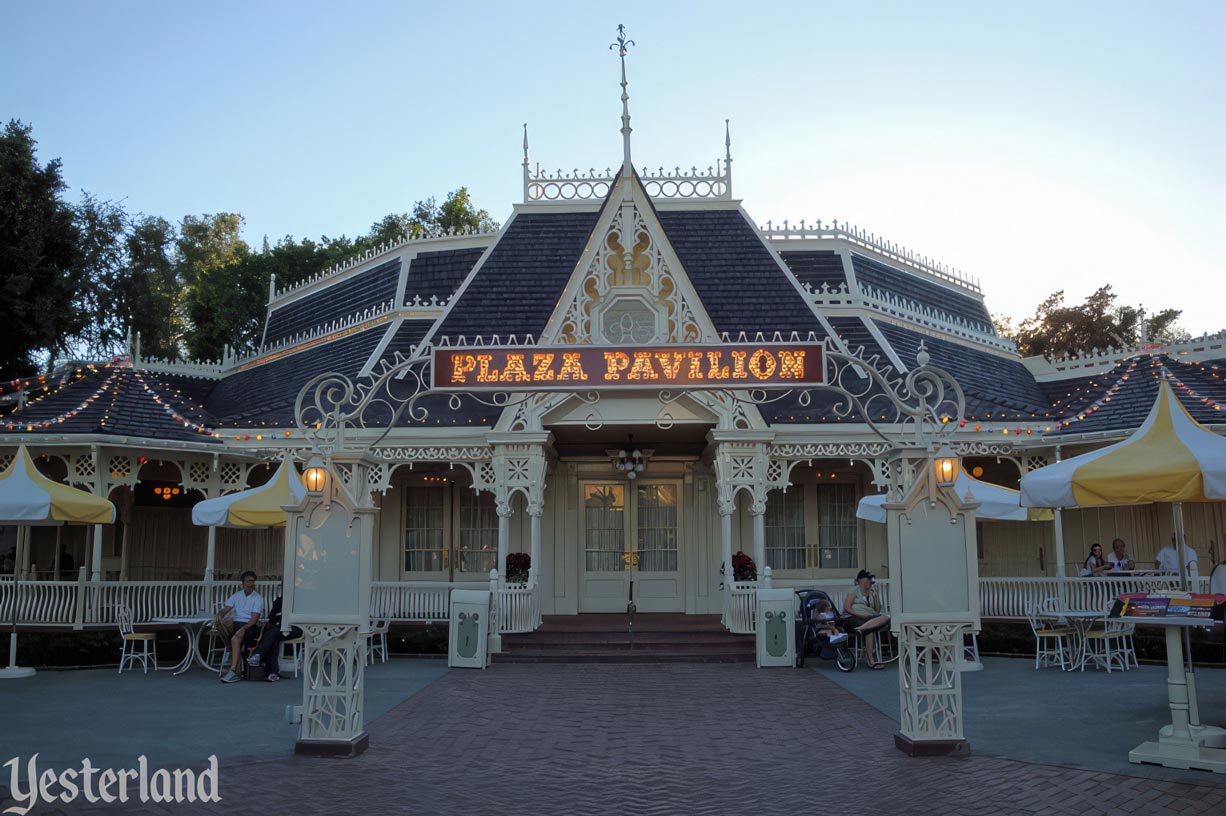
(631, 534)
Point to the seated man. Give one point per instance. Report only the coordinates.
(1168, 561)
(268, 651)
(1119, 558)
(238, 620)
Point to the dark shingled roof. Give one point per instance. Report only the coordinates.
(406, 337)
(854, 332)
(927, 293)
(372, 287)
(439, 274)
(1121, 397)
(738, 279)
(816, 268)
(521, 281)
(265, 394)
(119, 401)
(996, 387)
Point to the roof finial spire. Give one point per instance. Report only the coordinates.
(622, 45)
(728, 157)
(527, 176)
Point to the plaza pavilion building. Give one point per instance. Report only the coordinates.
(630, 260)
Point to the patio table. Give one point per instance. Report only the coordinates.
(192, 626)
(1081, 620)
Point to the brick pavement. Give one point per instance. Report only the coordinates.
(661, 739)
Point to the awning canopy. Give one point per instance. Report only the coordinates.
(257, 507)
(996, 503)
(28, 497)
(1170, 458)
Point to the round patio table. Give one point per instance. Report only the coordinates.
(193, 627)
(1081, 620)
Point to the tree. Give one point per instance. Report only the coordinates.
(456, 214)
(39, 256)
(1057, 329)
(102, 234)
(148, 296)
(222, 303)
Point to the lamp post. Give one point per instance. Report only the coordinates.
(934, 592)
(329, 538)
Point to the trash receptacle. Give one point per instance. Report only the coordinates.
(468, 631)
(776, 634)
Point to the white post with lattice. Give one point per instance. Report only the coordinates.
(328, 552)
(934, 600)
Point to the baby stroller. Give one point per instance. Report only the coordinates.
(815, 641)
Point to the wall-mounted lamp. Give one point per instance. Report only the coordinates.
(315, 477)
(946, 467)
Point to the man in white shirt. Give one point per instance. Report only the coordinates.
(1167, 561)
(1119, 558)
(238, 620)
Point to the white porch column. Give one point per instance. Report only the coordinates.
(725, 533)
(504, 535)
(96, 555)
(534, 514)
(758, 512)
(1061, 582)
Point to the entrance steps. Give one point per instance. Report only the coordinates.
(657, 638)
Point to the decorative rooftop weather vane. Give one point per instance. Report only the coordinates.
(621, 47)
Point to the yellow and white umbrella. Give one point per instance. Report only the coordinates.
(996, 503)
(257, 507)
(1170, 458)
(29, 498)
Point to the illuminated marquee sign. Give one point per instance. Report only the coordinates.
(574, 368)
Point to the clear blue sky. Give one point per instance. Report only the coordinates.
(1038, 146)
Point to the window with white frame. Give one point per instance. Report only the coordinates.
(836, 526)
(477, 548)
(785, 528)
(425, 547)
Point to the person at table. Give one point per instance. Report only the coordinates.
(1167, 561)
(864, 605)
(1095, 564)
(1118, 558)
(238, 622)
(268, 650)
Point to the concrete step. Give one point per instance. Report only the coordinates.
(657, 638)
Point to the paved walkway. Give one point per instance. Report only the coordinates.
(663, 739)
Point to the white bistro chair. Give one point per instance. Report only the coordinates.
(1109, 644)
(377, 639)
(1052, 643)
(128, 653)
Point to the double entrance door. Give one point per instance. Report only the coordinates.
(631, 539)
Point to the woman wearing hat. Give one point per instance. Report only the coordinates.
(863, 604)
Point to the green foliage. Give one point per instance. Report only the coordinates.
(39, 254)
(223, 298)
(78, 280)
(1057, 329)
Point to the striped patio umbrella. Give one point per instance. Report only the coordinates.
(29, 498)
(1170, 458)
(996, 503)
(257, 507)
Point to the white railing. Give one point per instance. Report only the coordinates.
(712, 182)
(518, 610)
(999, 598)
(742, 617)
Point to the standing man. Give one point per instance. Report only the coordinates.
(238, 621)
(1168, 561)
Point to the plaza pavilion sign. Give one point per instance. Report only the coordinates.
(572, 368)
